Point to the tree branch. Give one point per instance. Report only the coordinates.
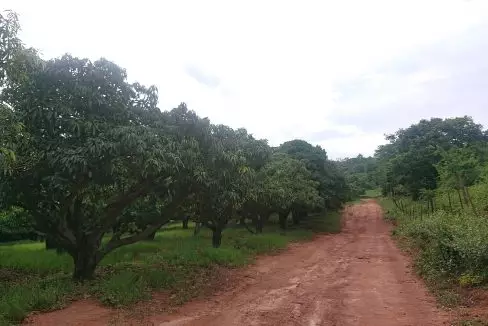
(210, 226)
(247, 226)
(115, 242)
(113, 210)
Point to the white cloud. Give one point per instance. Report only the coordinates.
(425, 76)
(342, 147)
(278, 63)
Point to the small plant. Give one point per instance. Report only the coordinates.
(467, 280)
(123, 288)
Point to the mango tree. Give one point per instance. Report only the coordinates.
(222, 178)
(331, 180)
(10, 127)
(94, 151)
(289, 184)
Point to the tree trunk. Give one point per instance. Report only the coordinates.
(259, 224)
(471, 202)
(283, 219)
(465, 196)
(432, 208)
(463, 190)
(295, 216)
(198, 227)
(460, 200)
(151, 236)
(216, 237)
(50, 243)
(450, 202)
(85, 261)
(185, 222)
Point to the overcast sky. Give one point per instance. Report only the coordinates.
(337, 73)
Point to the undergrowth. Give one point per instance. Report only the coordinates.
(33, 279)
(450, 247)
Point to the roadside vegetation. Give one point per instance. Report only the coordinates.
(434, 179)
(103, 194)
(176, 262)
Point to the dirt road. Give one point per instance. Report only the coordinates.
(357, 277)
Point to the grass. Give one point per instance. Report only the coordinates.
(472, 322)
(372, 193)
(354, 201)
(33, 279)
(449, 247)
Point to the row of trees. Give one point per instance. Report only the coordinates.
(434, 173)
(361, 173)
(428, 158)
(86, 155)
(436, 154)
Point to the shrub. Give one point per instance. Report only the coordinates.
(451, 245)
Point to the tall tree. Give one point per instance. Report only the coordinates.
(10, 44)
(458, 169)
(360, 173)
(332, 184)
(410, 157)
(92, 153)
(222, 177)
(288, 186)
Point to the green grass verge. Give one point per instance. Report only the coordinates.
(450, 249)
(372, 193)
(33, 279)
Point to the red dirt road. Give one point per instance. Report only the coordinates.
(357, 277)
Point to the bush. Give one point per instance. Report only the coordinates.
(454, 246)
(16, 224)
(123, 288)
(39, 295)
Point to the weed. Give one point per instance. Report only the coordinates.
(472, 322)
(123, 288)
(36, 295)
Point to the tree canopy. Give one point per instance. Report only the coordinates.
(410, 157)
(87, 155)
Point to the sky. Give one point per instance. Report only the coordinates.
(339, 74)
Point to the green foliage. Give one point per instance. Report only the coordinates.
(360, 173)
(451, 245)
(224, 176)
(10, 135)
(372, 193)
(451, 241)
(332, 184)
(329, 222)
(10, 44)
(123, 288)
(19, 299)
(459, 167)
(410, 159)
(283, 191)
(434, 175)
(86, 154)
(16, 224)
